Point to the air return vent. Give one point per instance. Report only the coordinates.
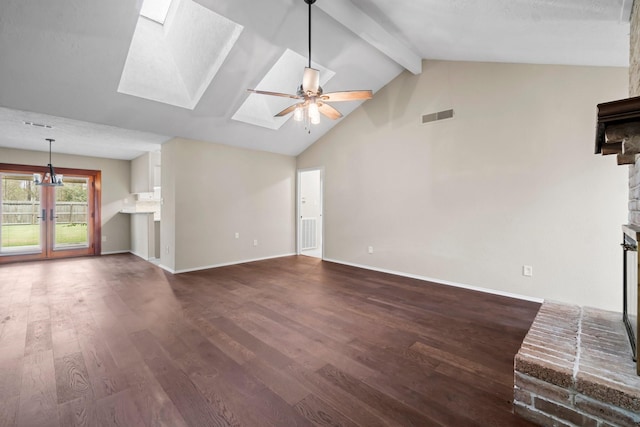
(440, 115)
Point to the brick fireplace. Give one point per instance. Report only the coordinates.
(575, 369)
(575, 366)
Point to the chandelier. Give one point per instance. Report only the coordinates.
(50, 179)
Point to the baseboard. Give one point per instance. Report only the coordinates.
(139, 256)
(115, 252)
(165, 268)
(206, 267)
(440, 281)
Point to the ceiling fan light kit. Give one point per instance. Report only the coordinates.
(313, 101)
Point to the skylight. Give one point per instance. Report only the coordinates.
(176, 62)
(156, 10)
(285, 76)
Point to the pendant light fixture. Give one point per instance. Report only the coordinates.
(50, 179)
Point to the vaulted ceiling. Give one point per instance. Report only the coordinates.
(62, 62)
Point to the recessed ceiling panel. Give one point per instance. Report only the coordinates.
(285, 76)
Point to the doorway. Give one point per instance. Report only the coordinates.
(40, 222)
(310, 223)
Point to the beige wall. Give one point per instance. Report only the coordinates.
(143, 171)
(510, 181)
(212, 191)
(115, 188)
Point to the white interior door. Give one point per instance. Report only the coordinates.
(310, 223)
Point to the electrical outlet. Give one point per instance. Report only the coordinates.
(255, 243)
(527, 270)
(370, 249)
(166, 249)
(237, 235)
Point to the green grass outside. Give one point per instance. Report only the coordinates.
(28, 235)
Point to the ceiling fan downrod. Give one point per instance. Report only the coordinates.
(309, 2)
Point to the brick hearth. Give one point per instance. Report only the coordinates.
(575, 369)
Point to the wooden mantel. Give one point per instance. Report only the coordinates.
(618, 129)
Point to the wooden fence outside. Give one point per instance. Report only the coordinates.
(16, 213)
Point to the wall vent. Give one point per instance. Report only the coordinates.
(440, 115)
(309, 234)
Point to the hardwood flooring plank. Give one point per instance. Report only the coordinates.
(228, 402)
(10, 378)
(188, 400)
(65, 341)
(339, 399)
(80, 412)
(236, 351)
(321, 413)
(120, 346)
(425, 403)
(13, 332)
(72, 378)
(463, 363)
(39, 309)
(38, 337)
(191, 404)
(118, 410)
(295, 349)
(288, 388)
(105, 377)
(154, 406)
(261, 349)
(9, 411)
(38, 401)
(385, 405)
(270, 406)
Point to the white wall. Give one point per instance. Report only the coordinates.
(212, 191)
(115, 188)
(511, 180)
(143, 235)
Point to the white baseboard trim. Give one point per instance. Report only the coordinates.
(440, 281)
(138, 255)
(165, 268)
(225, 264)
(115, 252)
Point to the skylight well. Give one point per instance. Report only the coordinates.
(176, 50)
(259, 110)
(156, 10)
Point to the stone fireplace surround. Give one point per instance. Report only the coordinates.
(575, 369)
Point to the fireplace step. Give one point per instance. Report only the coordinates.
(575, 369)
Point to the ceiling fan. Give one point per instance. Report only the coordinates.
(313, 100)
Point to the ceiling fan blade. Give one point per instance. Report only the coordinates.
(264, 92)
(348, 95)
(329, 111)
(310, 80)
(288, 110)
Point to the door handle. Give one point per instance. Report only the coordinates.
(44, 215)
(51, 216)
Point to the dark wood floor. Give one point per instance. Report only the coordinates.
(115, 341)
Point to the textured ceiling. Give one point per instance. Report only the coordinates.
(574, 32)
(64, 58)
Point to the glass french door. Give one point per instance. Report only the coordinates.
(46, 222)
